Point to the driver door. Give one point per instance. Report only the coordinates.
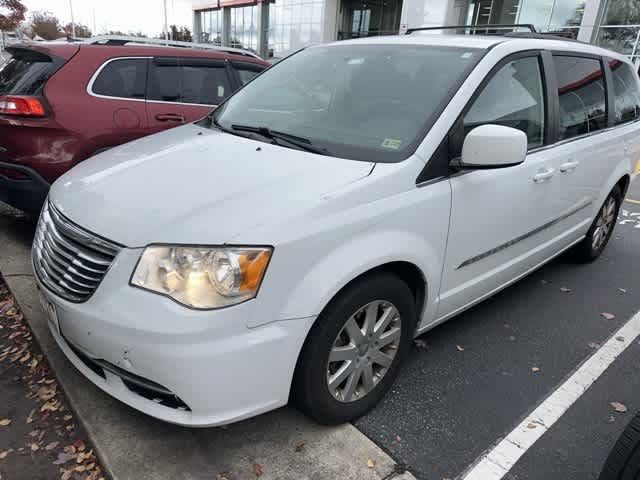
(499, 227)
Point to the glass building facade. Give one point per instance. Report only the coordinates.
(293, 24)
(620, 27)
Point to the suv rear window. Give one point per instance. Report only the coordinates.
(625, 89)
(25, 73)
(124, 78)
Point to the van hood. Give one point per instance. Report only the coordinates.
(195, 185)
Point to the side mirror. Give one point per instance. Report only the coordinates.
(493, 146)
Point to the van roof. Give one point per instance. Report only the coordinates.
(523, 41)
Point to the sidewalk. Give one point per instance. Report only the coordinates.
(280, 445)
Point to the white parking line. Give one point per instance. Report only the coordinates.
(499, 460)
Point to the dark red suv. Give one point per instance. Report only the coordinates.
(61, 103)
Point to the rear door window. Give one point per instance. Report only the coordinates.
(626, 93)
(582, 95)
(189, 81)
(122, 78)
(25, 73)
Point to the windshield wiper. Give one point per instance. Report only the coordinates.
(300, 142)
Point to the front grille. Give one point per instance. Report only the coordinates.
(69, 260)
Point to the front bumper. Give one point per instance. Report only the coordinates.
(217, 369)
(28, 193)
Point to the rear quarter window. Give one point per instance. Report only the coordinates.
(25, 73)
(122, 78)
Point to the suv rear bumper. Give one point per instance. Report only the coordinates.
(27, 194)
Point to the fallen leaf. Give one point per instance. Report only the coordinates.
(299, 446)
(419, 343)
(51, 446)
(535, 369)
(50, 406)
(222, 476)
(607, 316)
(66, 418)
(63, 457)
(460, 348)
(35, 447)
(622, 290)
(30, 417)
(66, 475)
(371, 463)
(80, 468)
(4, 422)
(594, 345)
(620, 338)
(46, 393)
(79, 445)
(4, 454)
(618, 407)
(257, 470)
(398, 439)
(531, 425)
(565, 290)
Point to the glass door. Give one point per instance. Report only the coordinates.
(364, 18)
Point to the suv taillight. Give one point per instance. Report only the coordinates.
(21, 105)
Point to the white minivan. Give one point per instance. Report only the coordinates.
(351, 197)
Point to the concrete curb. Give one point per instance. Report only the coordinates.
(134, 446)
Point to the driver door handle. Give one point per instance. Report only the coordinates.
(569, 166)
(544, 174)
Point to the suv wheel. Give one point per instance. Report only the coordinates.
(354, 350)
(601, 229)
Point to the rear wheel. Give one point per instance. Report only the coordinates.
(355, 348)
(601, 229)
(623, 462)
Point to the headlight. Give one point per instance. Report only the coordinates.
(202, 277)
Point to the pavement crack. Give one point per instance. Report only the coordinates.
(398, 469)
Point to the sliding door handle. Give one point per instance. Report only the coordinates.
(569, 166)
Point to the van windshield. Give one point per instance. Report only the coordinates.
(362, 102)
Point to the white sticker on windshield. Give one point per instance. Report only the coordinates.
(466, 55)
(392, 143)
(355, 61)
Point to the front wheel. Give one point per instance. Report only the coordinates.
(623, 462)
(354, 350)
(601, 229)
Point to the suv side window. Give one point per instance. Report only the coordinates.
(582, 95)
(123, 78)
(188, 81)
(625, 89)
(513, 97)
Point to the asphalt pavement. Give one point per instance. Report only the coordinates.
(470, 381)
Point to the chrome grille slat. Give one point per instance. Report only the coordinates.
(68, 259)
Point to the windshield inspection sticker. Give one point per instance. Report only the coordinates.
(466, 55)
(392, 143)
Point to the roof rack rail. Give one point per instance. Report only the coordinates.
(119, 40)
(487, 27)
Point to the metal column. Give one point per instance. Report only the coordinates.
(263, 29)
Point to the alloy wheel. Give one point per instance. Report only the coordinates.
(363, 351)
(604, 224)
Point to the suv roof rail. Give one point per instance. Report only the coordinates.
(119, 40)
(487, 27)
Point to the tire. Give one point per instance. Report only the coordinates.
(376, 294)
(589, 249)
(623, 462)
